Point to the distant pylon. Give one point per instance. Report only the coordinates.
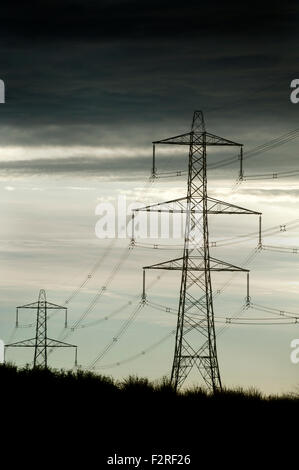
(195, 342)
(41, 343)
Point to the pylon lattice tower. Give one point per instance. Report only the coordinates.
(41, 343)
(195, 341)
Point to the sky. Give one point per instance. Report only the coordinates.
(88, 87)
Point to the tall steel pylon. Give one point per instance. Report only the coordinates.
(41, 343)
(195, 341)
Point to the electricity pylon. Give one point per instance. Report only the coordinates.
(41, 343)
(195, 342)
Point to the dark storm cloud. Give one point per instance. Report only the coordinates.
(91, 72)
(112, 19)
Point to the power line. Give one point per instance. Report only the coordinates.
(117, 310)
(118, 335)
(281, 249)
(139, 354)
(277, 311)
(228, 322)
(92, 272)
(78, 324)
(274, 143)
(273, 175)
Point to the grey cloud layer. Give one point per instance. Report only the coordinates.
(127, 72)
(122, 63)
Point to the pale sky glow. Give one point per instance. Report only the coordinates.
(12, 153)
(49, 242)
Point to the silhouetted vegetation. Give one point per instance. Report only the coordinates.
(102, 416)
(81, 381)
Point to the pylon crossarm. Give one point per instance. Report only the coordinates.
(180, 205)
(195, 265)
(221, 207)
(218, 265)
(198, 138)
(31, 305)
(174, 205)
(54, 343)
(26, 343)
(50, 305)
(171, 264)
(182, 139)
(212, 139)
